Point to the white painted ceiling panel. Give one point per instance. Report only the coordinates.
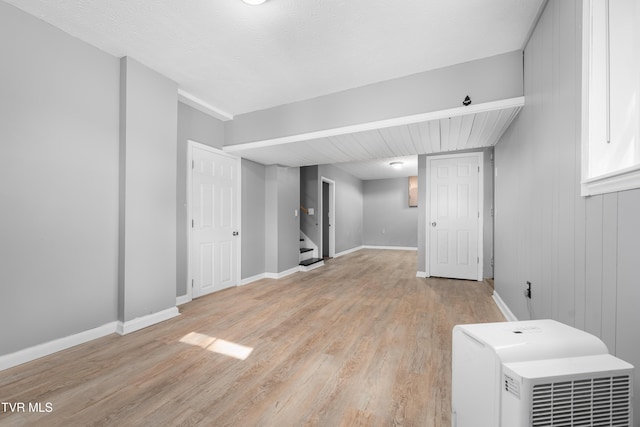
(400, 138)
(477, 137)
(445, 135)
(449, 134)
(426, 135)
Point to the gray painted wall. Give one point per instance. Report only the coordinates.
(58, 183)
(488, 224)
(282, 226)
(253, 219)
(271, 219)
(288, 221)
(148, 135)
(488, 79)
(199, 127)
(387, 219)
(580, 254)
(349, 207)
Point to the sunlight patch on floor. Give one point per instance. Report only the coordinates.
(217, 345)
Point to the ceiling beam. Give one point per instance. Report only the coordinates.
(382, 124)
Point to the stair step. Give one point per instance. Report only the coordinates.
(303, 250)
(310, 261)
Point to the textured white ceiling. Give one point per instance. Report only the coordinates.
(240, 58)
(381, 168)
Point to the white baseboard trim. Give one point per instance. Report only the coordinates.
(183, 299)
(28, 354)
(504, 308)
(252, 279)
(348, 251)
(138, 323)
(422, 274)
(357, 248)
(279, 275)
(282, 273)
(395, 248)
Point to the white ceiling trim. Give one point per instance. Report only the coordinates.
(382, 124)
(200, 105)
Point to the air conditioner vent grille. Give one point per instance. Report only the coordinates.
(596, 402)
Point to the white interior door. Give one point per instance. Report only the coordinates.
(215, 221)
(454, 217)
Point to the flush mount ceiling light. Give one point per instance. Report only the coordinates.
(396, 165)
(254, 2)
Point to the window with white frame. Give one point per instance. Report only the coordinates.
(611, 96)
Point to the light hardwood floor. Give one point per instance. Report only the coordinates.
(360, 341)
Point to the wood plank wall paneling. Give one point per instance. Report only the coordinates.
(593, 318)
(609, 269)
(581, 254)
(360, 341)
(627, 285)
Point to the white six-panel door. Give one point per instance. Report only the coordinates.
(214, 236)
(454, 217)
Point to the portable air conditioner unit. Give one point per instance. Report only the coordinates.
(536, 373)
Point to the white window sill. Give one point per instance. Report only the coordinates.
(624, 179)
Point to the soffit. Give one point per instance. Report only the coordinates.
(367, 154)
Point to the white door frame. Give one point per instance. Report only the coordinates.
(190, 146)
(332, 211)
(480, 156)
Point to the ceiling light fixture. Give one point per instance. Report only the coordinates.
(254, 2)
(396, 165)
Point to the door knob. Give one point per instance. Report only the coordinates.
(433, 224)
(235, 233)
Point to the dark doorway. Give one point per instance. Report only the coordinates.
(325, 219)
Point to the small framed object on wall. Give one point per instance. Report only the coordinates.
(413, 191)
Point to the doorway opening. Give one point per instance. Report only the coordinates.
(327, 219)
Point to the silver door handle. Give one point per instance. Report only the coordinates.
(433, 224)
